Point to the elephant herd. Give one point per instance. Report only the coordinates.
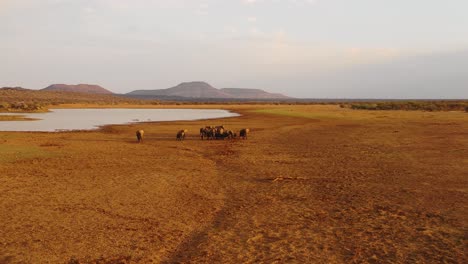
(207, 132)
(215, 132)
(219, 132)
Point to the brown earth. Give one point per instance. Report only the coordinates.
(311, 184)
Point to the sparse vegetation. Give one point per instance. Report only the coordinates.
(24, 100)
(22, 107)
(411, 105)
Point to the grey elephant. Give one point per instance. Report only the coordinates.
(205, 132)
(219, 132)
(228, 134)
(211, 133)
(243, 133)
(139, 135)
(181, 134)
(202, 133)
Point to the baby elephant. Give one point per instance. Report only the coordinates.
(181, 134)
(243, 133)
(139, 135)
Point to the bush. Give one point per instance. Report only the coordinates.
(4, 106)
(414, 105)
(23, 106)
(364, 106)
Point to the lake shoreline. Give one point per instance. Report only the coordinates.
(80, 119)
(15, 117)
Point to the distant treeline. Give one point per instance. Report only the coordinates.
(410, 105)
(21, 106)
(24, 100)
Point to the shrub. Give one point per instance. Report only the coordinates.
(23, 106)
(364, 106)
(414, 105)
(4, 105)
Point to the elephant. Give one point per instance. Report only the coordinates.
(228, 134)
(210, 133)
(139, 135)
(231, 134)
(219, 132)
(181, 134)
(203, 133)
(243, 133)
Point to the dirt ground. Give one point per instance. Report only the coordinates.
(311, 184)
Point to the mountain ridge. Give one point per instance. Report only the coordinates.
(199, 89)
(253, 93)
(78, 88)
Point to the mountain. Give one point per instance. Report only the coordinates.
(252, 93)
(79, 88)
(204, 90)
(186, 89)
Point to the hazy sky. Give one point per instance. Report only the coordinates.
(303, 48)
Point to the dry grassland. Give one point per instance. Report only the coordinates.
(312, 184)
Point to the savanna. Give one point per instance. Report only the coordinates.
(310, 184)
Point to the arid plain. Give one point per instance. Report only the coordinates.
(311, 184)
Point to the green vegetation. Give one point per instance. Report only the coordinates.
(411, 105)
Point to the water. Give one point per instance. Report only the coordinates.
(88, 119)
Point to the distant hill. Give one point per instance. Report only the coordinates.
(14, 95)
(204, 90)
(186, 89)
(79, 88)
(253, 93)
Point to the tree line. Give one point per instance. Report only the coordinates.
(411, 105)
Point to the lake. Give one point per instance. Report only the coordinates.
(89, 119)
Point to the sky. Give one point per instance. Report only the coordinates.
(301, 48)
